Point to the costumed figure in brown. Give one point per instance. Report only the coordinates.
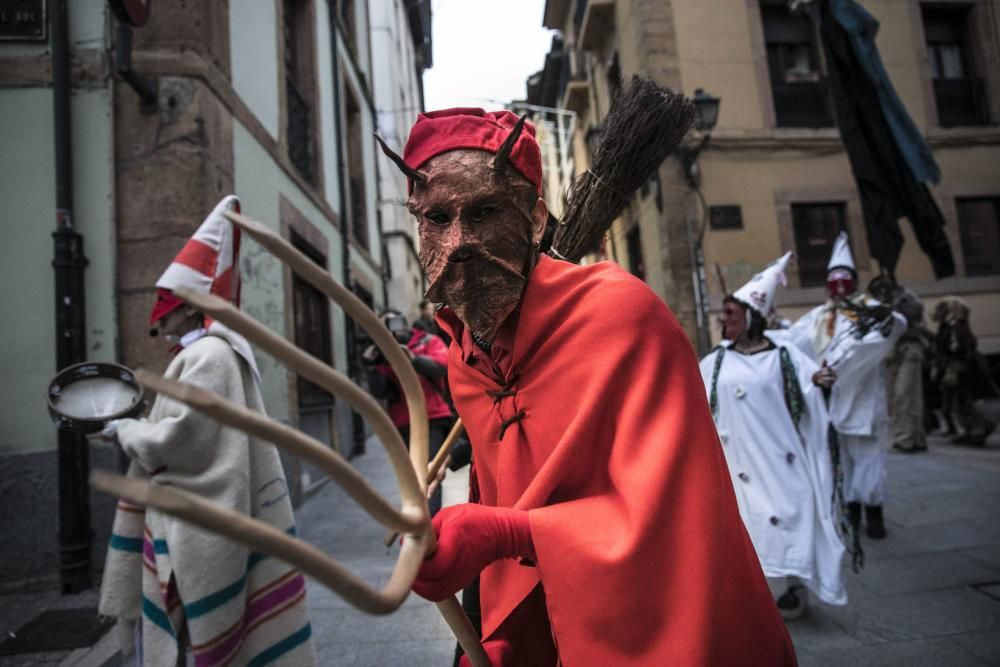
(960, 370)
(906, 366)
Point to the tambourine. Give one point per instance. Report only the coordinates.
(84, 397)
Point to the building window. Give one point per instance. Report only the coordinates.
(299, 88)
(634, 244)
(348, 21)
(725, 217)
(815, 227)
(801, 94)
(312, 326)
(979, 228)
(959, 95)
(357, 190)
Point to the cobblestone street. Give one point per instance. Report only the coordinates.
(929, 595)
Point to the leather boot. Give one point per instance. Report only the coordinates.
(854, 515)
(876, 526)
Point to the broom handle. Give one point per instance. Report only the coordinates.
(456, 618)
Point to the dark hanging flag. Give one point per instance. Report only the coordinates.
(889, 158)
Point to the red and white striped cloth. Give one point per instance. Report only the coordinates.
(208, 263)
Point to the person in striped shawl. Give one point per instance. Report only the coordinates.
(174, 588)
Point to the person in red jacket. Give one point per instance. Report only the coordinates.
(429, 357)
(608, 532)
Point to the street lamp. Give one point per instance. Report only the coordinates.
(707, 108)
(707, 115)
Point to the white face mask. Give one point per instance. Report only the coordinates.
(191, 336)
(186, 339)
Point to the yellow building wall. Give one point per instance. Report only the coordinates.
(756, 166)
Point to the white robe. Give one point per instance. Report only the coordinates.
(858, 399)
(859, 407)
(783, 480)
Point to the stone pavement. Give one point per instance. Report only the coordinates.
(415, 635)
(929, 595)
(930, 592)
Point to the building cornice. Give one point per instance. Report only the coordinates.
(88, 68)
(827, 140)
(799, 297)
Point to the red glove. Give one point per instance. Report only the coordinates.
(470, 537)
(499, 651)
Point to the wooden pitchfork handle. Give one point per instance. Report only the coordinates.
(412, 517)
(435, 466)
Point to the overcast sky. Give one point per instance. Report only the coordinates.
(483, 51)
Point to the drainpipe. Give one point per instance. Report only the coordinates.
(69, 263)
(353, 370)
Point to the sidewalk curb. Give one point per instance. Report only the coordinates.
(105, 653)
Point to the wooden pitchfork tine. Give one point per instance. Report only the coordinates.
(411, 518)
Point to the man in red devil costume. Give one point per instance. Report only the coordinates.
(608, 532)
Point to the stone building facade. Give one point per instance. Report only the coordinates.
(773, 176)
(401, 49)
(270, 99)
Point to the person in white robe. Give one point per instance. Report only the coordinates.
(853, 334)
(773, 424)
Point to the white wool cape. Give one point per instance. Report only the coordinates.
(231, 605)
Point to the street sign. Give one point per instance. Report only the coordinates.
(22, 21)
(133, 12)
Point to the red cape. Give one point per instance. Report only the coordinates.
(641, 550)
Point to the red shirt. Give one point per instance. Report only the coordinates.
(422, 344)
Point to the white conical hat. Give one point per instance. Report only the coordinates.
(760, 291)
(841, 256)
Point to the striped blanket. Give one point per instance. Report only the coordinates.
(191, 589)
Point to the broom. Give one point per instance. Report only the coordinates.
(644, 125)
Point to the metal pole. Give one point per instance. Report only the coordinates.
(353, 367)
(69, 263)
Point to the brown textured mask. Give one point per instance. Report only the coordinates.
(478, 232)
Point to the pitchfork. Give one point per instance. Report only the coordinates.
(412, 517)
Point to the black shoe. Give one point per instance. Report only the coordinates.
(876, 526)
(854, 515)
(793, 603)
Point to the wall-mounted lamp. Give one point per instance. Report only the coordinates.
(707, 107)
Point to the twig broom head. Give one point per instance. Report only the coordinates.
(644, 125)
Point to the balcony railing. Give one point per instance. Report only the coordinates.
(299, 131)
(802, 104)
(961, 102)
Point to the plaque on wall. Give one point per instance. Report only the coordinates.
(23, 21)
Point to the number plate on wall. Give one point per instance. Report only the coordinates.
(23, 21)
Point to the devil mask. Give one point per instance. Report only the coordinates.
(476, 200)
(478, 237)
